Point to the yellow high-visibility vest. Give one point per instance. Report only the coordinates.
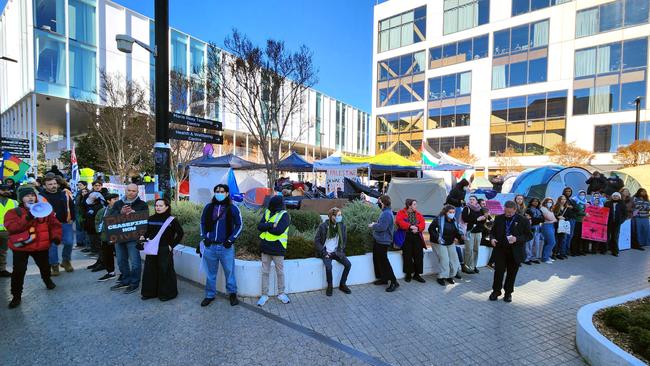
(11, 204)
(284, 237)
(87, 175)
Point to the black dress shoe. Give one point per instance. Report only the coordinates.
(441, 282)
(207, 301)
(49, 284)
(15, 302)
(536, 261)
(419, 278)
(146, 297)
(476, 270)
(528, 263)
(328, 291)
(234, 301)
(5, 273)
(494, 296)
(98, 268)
(393, 286)
(345, 289)
(407, 278)
(615, 254)
(451, 281)
(380, 282)
(457, 276)
(507, 298)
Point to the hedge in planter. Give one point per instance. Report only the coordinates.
(356, 216)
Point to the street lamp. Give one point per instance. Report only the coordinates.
(637, 124)
(161, 149)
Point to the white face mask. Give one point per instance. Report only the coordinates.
(549, 204)
(450, 216)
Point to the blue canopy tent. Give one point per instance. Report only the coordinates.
(225, 161)
(295, 163)
(550, 181)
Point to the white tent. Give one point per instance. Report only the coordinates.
(430, 193)
(249, 179)
(203, 180)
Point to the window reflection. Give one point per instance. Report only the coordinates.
(608, 138)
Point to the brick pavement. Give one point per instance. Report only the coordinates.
(82, 322)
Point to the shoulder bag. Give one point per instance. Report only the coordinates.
(151, 246)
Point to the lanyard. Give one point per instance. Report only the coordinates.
(508, 225)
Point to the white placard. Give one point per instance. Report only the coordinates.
(335, 178)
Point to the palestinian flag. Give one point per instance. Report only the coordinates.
(13, 167)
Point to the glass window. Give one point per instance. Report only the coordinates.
(587, 22)
(537, 70)
(581, 101)
(419, 62)
(497, 143)
(178, 52)
(635, 53)
(520, 7)
(403, 29)
(501, 42)
(448, 116)
(516, 109)
(519, 39)
(499, 110)
(81, 22)
(539, 34)
(611, 16)
(465, 48)
(518, 73)
(585, 62)
(446, 144)
(406, 62)
(481, 46)
(449, 50)
(434, 88)
(625, 134)
(50, 58)
(536, 106)
(464, 83)
(418, 90)
(636, 12)
(82, 68)
(629, 93)
(470, 49)
(538, 4)
(609, 58)
(462, 115)
(556, 104)
(483, 12)
(465, 14)
(50, 15)
(602, 138)
(500, 76)
(435, 53)
(434, 118)
(197, 56)
(448, 86)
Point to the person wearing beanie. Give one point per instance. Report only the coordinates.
(617, 214)
(63, 206)
(30, 236)
(274, 234)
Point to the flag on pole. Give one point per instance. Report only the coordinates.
(74, 171)
(13, 167)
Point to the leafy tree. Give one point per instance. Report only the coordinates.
(637, 153)
(87, 149)
(463, 154)
(568, 154)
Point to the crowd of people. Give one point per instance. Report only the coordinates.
(528, 232)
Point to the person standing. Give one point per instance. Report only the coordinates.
(578, 245)
(596, 183)
(94, 203)
(614, 184)
(520, 201)
(63, 206)
(640, 218)
(221, 225)
(559, 210)
(456, 197)
(158, 277)
(382, 233)
(11, 185)
(128, 255)
(80, 208)
(329, 243)
(412, 223)
(617, 215)
(509, 235)
(571, 215)
(497, 183)
(6, 204)
(274, 235)
(474, 218)
(107, 248)
(536, 219)
(29, 236)
(444, 233)
(548, 230)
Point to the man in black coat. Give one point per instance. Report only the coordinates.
(597, 183)
(509, 235)
(614, 184)
(617, 215)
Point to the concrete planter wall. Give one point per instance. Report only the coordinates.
(592, 345)
(301, 275)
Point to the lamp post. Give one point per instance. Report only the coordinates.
(161, 153)
(637, 124)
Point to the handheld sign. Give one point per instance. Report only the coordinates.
(495, 207)
(594, 225)
(122, 228)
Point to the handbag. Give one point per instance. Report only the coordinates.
(398, 238)
(151, 246)
(563, 226)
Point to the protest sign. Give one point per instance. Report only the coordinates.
(495, 207)
(335, 178)
(594, 225)
(122, 228)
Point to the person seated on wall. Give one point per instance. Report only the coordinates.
(329, 243)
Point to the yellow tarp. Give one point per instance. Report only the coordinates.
(635, 177)
(388, 159)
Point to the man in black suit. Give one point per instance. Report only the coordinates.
(509, 235)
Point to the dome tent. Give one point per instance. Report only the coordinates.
(635, 177)
(550, 181)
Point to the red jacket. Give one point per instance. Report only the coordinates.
(402, 220)
(48, 229)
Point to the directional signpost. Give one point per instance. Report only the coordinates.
(17, 147)
(196, 122)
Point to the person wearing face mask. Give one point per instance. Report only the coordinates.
(578, 245)
(6, 204)
(473, 217)
(548, 230)
(274, 235)
(158, 277)
(221, 225)
(411, 223)
(509, 235)
(444, 234)
(534, 215)
(329, 243)
(617, 214)
(570, 215)
(29, 237)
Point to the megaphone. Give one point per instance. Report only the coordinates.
(41, 210)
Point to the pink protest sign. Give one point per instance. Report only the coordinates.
(594, 225)
(495, 207)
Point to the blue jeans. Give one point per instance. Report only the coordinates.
(642, 225)
(127, 254)
(532, 246)
(566, 245)
(81, 237)
(67, 240)
(212, 256)
(548, 232)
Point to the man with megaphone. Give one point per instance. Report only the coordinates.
(32, 227)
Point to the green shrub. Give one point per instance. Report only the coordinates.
(304, 220)
(640, 318)
(617, 318)
(356, 216)
(640, 341)
(249, 238)
(300, 246)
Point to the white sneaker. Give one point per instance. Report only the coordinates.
(263, 299)
(284, 298)
(550, 261)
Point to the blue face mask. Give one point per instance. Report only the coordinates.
(220, 196)
(339, 219)
(450, 216)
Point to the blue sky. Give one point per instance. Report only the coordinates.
(339, 32)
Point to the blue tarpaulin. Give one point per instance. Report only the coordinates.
(295, 163)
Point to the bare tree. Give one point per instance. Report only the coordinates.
(568, 154)
(265, 88)
(121, 123)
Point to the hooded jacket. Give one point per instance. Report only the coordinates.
(274, 248)
(47, 229)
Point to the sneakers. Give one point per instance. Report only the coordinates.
(450, 281)
(207, 301)
(549, 262)
(119, 286)
(262, 301)
(54, 270)
(106, 277)
(67, 266)
(5, 273)
(131, 289)
(15, 302)
(233, 300)
(284, 298)
(49, 284)
(507, 298)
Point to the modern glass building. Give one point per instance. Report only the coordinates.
(62, 46)
(519, 74)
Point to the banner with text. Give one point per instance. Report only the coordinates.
(594, 225)
(123, 228)
(335, 177)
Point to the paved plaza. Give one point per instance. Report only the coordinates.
(81, 322)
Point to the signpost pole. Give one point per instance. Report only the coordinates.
(161, 148)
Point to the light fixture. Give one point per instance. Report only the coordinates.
(125, 44)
